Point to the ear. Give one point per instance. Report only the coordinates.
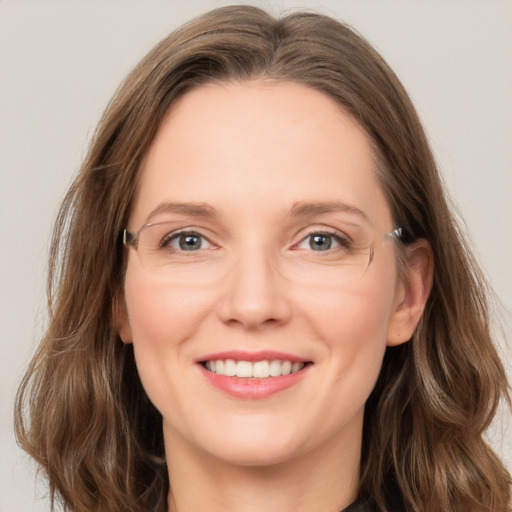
(412, 292)
(121, 320)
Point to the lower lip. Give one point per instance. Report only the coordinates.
(253, 389)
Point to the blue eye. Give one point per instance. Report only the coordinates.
(323, 242)
(186, 241)
(320, 242)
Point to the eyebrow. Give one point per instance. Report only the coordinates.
(298, 209)
(184, 208)
(305, 208)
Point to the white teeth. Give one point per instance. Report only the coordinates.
(256, 370)
(286, 368)
(296, 367)
(275, 368)
(229, 368)
(261, 370)
(243, 369)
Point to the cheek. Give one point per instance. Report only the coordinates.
(354, 317)
(162, 320)
(161, 314)
(353, 324)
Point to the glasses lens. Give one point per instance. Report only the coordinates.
(319, 257)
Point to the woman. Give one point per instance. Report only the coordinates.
(259, 296)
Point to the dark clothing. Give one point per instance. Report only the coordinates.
(361, 505)
(393, 504)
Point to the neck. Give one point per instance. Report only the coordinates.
(323, 479)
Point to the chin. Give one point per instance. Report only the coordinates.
(262, 455)
(255, 444)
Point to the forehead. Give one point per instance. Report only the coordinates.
(259, 146)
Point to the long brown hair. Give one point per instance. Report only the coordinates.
(81, 411)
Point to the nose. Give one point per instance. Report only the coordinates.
(254, 294)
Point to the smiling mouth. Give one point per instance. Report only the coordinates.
(253, 369)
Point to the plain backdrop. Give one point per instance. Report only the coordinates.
(60, 62)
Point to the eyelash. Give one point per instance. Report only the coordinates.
(343, 240)
(176, 236)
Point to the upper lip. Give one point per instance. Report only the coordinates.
(262, 355)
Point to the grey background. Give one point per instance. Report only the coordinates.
(60, 62)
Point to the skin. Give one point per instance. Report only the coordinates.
(252, 151)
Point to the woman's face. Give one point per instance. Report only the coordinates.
(266, 202)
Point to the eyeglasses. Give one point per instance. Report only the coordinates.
(320, 253)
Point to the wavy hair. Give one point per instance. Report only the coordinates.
(81, 411)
